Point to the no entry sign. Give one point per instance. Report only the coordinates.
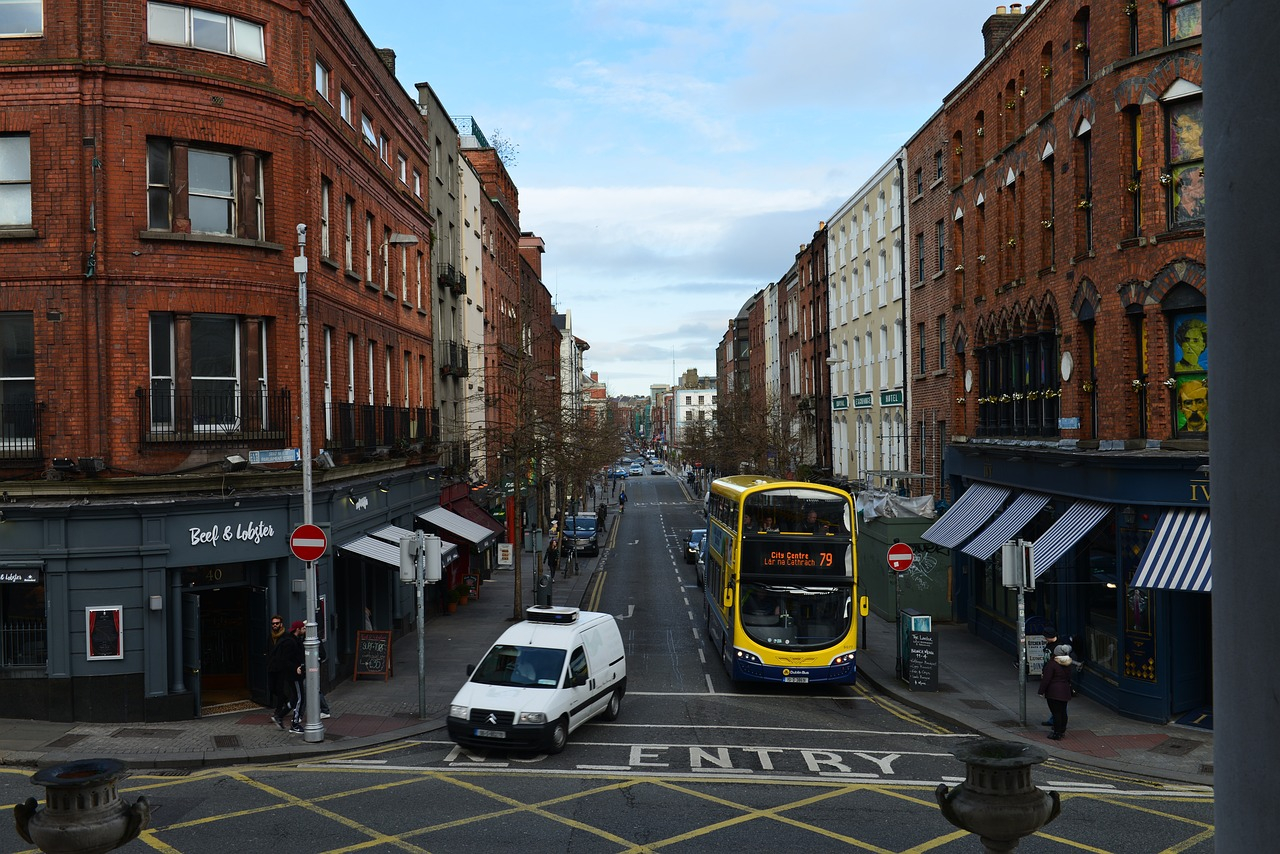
(307, 542)
(901, 557)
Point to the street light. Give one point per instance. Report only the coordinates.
(394, 239)
(313, 730)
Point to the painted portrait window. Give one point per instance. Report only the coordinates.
(1182, 19)
(104, 632)
(1186, 161)
(1190, 355)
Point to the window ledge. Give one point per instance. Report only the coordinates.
(225, 240)
(406, 304)
(936, 182)
(389, 295)
(423, 311)
(939, 275)
(1076, 259)
(352, 275)
(1131, 243)
(373, 286)
(10, 232)
(942, 372)
(1180, 234)
(329, 262)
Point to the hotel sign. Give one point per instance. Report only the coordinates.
(891, 398)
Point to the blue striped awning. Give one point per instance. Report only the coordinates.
(1007, 524)
(975, 505)
(1178, 558)
(1066, 532)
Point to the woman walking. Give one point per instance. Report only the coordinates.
(1055, 687)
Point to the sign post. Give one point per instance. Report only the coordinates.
(1017, 571)
(900, 559)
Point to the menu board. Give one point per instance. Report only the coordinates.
(922, 661)
(373, 654)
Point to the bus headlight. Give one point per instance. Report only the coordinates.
(533, 717)
(843, 659)
(459, 711)
(749, 657)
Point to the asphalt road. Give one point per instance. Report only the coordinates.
(694, 763)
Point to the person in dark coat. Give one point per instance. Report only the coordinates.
(1055, 687)
(284, 668)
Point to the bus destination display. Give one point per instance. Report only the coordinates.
(798, 558)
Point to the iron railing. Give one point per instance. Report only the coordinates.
(20, 430)
(367, 427)
(453, 359)
(23, 643)
(193, 419)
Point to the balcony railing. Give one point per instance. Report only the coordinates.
(193, 419)
(367, 427)
(20, 430)
(452, 278)
(23, 643)
(453, 360)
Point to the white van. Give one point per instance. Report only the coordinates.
(544, 678)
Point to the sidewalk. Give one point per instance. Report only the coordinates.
(977, 691)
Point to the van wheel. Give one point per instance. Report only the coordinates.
(559, 736)
(610, 712)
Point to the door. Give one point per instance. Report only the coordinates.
(191, 646)
(259, 631)
(1191, 656)
(582, 686)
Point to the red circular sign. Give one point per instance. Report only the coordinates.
(307, 542)
(901, 557)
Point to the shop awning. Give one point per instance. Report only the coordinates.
(976, 505)
(478, 536)
(394, 534)
(383, 545)
(1178, 556)
(1070, 527)
(470, 510)
(1007, 524)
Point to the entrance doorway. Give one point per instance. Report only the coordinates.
(224, 645)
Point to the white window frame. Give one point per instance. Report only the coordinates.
(345, 106)
(15, 180)
(239, 38)
(417, 183)
(348, 239)
(17, 345)
(326, 194)
(367, 132)
(9, 23)
(402, 169)
(213, 196)
(323, 82)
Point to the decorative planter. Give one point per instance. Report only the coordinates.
(83, 811)
(997, 800)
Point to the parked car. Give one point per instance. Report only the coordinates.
(694, 544)
(582, 532)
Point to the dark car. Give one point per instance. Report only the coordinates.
(693, 545)
(582, 531)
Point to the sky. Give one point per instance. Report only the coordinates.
(675, 154)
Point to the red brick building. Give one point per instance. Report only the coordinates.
(1057, 214)
(157, 159)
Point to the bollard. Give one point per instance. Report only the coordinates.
(83, 812)
(997, 800)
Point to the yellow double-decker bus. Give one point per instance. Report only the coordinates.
(781, 580)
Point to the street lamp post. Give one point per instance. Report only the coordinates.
(313, 730)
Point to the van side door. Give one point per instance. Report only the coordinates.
(582, 689)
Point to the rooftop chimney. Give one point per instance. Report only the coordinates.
(388, 57)
(998, 27)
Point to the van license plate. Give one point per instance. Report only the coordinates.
(795, 678)
(490, 733)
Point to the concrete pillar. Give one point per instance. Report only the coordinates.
(1242, 98)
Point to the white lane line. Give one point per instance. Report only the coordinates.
(690, 613)
(702, 656)
(711, 689)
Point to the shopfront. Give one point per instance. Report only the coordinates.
(1112, 571)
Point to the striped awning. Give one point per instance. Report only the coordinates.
(1007, 524)
(1070, 527)
(975, 505)
(383, 545)
(1178, 557)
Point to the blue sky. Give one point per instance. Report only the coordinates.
(674, 155)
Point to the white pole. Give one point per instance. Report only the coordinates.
(313, 730)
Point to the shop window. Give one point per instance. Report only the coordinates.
(1102, 602)
(23, 633)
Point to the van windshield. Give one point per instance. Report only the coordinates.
(523, 666)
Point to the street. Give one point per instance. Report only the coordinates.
(694, 762)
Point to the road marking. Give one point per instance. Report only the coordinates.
(631, 612)
(711, 689)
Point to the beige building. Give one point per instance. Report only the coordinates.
(868, 345)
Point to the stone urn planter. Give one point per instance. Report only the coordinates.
(83, 812)
(997, 800)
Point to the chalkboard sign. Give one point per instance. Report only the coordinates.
(922, 661)
(373, 655)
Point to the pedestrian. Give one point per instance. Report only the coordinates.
(622, 500)
(1055, 687)
(283, 661)
(298, 629)
(552, 556)
(1050, 641)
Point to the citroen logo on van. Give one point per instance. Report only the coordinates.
(493, 719)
